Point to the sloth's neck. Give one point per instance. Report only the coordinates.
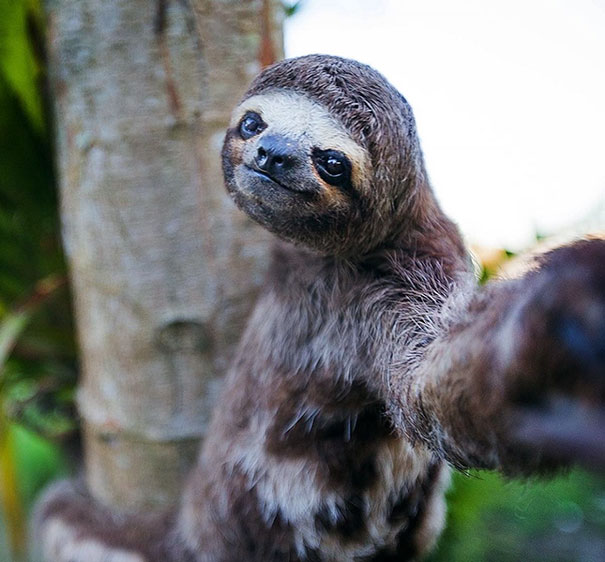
(436, 238)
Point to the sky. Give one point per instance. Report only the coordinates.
(509, 98)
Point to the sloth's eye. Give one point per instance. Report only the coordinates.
(252, 124)
(332, 166)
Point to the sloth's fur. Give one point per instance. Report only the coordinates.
(371, 361)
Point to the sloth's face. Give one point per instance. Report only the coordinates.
(294, 169)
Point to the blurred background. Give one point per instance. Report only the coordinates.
(509, 103)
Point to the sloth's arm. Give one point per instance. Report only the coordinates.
(517, 381)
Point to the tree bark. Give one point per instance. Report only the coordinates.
(164, 268)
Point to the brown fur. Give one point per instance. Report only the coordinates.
(370, 361)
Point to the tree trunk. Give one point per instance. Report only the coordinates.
(164, 268)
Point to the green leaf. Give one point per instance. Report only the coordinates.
(13, 323)
(12, 504)
(11, 328)
(291, 8)
(18, 63)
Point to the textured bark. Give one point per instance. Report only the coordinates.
(164, 268)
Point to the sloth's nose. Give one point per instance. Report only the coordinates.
(275, 155)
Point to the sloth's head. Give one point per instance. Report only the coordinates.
(323, 152)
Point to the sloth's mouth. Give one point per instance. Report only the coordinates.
(268, 177)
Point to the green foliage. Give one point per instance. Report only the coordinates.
(19, 65)
(41, 363)
(292, 7)
(29, 462)
(10, 493)
(37, 459)
(37, 351)
(490, 262)
(561, 520)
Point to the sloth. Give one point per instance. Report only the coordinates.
(372, 363)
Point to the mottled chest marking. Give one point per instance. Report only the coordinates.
(352, 519)
(340, 427)
(374, 485)
(408, 512)
(346, 519)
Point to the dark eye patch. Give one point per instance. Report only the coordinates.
(333, 167)
(251, 125)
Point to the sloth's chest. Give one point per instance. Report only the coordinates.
(368, 522)
(331, 520)
(345, 486)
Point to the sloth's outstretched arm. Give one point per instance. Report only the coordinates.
(516, 380)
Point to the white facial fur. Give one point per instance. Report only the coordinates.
(310, 124)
